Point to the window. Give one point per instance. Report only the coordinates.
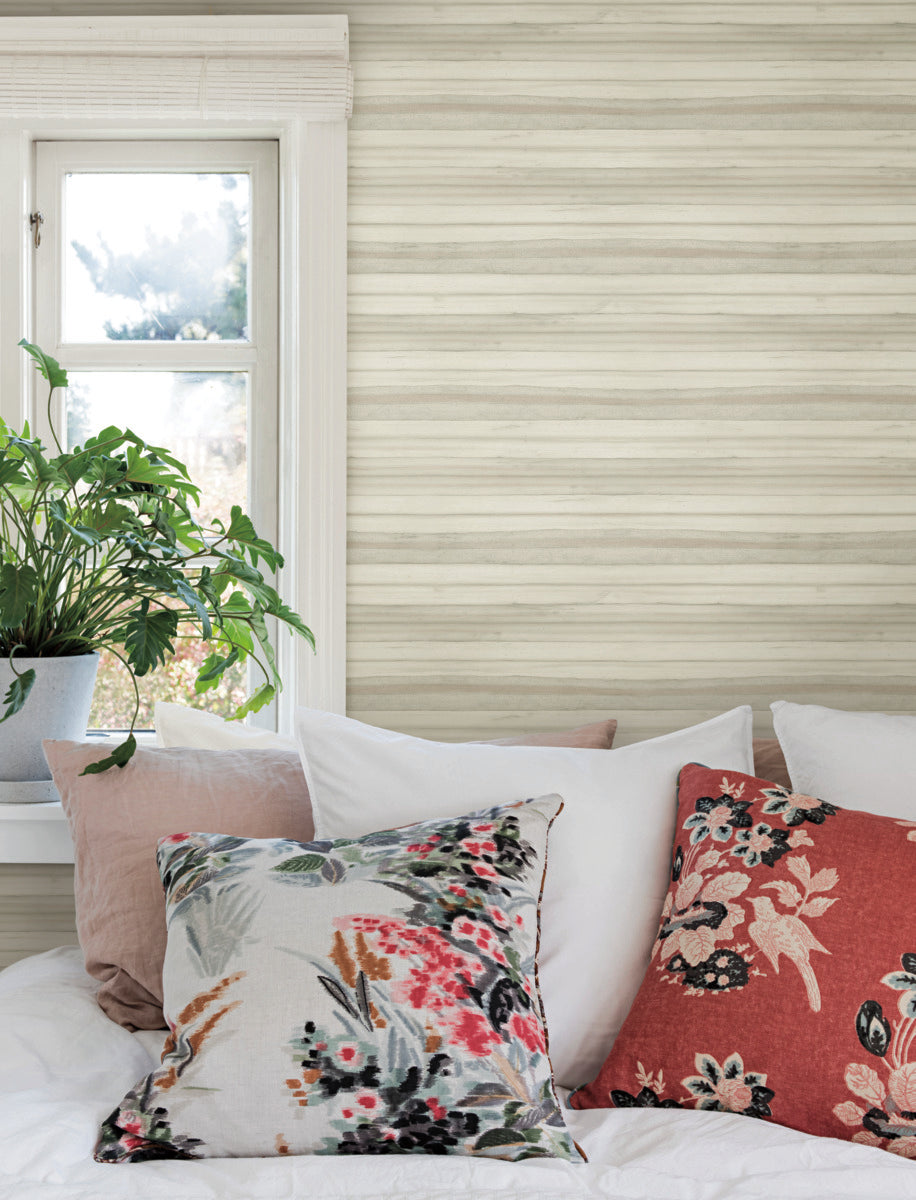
(223, 81)
(156, 287)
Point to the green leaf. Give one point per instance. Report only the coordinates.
(111, 437)
(237, 602)
(293, 620)
(18, 593)
(256, 701)
(250, 577)
(301, 863)
(184, 591)
(58, 514)
(499, 1137)
(259, 626)
(10, 471)
(71, 466)
(238, 633)
(44, 472)
(148, 637)
(112, 517)
(17, 693)
(242, 530)
(211, 670)
(206, 589)
(119, 757)
(49, 367)
(148, 471)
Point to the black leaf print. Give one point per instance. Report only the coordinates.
(336, 991)
(872, 1028)
(362, 999)
(678, 865)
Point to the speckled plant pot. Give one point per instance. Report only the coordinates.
(57, 707)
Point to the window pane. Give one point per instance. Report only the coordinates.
(156, 257)
(113, 699)
(201, 417)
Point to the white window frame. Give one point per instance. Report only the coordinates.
(256, 356)
(280, 78)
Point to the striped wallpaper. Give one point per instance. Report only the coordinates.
(631, 358)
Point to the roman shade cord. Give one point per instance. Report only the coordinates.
(191, 67)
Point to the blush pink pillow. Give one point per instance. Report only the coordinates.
(770, 763)
(597, 736)
(117, 818)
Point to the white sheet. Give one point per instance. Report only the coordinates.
(64, 1066)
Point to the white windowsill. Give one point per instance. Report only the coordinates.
(37, 832)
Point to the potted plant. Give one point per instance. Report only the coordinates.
(99, 549)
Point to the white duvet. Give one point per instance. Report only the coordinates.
(64, 1066)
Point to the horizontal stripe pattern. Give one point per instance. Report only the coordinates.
(632, 305)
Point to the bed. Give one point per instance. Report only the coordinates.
(64, 1064)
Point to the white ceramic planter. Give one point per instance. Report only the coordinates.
(57, 707)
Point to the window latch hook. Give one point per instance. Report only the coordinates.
(36, 220)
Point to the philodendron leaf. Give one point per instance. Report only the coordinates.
(43, 470)
(119, 757)
(10, 471)
(109, 518)
(148, 637)
(292, 619)
(211, 670)
(184, 591)
(18, 592)
(17, 693)
(82, 533)
(242, 530)
(255, 701)
(259, 626)
(48, 366)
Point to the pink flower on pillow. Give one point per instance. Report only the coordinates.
(474, 1033)
(529, 1031)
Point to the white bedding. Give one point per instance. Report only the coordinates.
(64, 1066)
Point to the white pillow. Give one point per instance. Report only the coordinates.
(177, 725)
(854, 759)
(608, 862)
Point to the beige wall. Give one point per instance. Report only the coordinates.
(632, 360)
(631, 392)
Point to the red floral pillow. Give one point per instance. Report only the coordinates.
(782, 983)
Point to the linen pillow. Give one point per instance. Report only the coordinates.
(608, 860)
(861, 759)
(178, 725)
(599, 735)
(116, 819)
(352, 997)
(769, 762)
(782, 982)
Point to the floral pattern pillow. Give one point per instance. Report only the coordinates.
(370, 996)
(782, 982)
